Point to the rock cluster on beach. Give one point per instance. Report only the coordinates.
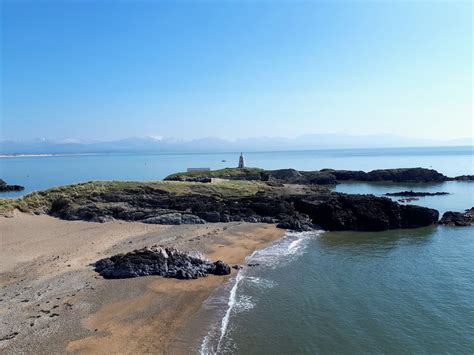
(461, 219)
(4, 187)
(166, 262)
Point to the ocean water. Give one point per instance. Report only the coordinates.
(401, 291)
(394, 292)
(36, 173)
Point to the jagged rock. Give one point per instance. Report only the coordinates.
(211, 216)
(412, 193)
(4, 187)
(167, 262)
(297, 223)
(221, 268)
(191, 219)
(225, 218)
(365, 212)
(169, 218)
(458, 218)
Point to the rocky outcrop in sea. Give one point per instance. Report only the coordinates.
(460, 219)
(166, 262)
(4, 187)
(412, 193)
(321, 177)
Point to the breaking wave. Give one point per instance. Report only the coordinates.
(231, 302)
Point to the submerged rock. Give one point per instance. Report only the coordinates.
(167, 262)
(459, 219)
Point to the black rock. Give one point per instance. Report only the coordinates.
(221, 268)
(167, 262)
(412, 193)
(4, 187)
(364, 213)
(458, 218)
(464, 178)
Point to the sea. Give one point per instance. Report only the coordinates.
(407, 291)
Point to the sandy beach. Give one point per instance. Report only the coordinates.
(52, 301)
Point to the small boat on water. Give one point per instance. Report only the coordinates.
(224, 160)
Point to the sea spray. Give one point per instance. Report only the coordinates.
(230, 300)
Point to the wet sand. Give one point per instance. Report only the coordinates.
(51, 300)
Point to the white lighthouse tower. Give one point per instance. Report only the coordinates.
(241, 161)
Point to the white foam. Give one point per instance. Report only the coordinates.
(275, 255)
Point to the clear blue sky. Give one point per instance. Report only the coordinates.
(112, 69)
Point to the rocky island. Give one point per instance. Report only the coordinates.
(288, 198)
(319, 177)
(4, 187)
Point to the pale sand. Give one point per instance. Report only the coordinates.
(56, 303)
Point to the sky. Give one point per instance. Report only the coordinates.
(104, 70)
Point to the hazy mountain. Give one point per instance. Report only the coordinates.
(158, 144)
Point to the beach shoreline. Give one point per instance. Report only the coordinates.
(52, 300)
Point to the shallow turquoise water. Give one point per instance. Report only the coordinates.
(461, 193)
(405, 291)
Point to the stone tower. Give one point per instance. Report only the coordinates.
(241, 161)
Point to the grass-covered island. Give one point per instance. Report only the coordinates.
(288, 198)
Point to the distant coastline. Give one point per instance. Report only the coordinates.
(43, 155)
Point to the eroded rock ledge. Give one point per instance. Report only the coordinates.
(166, 262)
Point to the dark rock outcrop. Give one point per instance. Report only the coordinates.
(167, 262)
(282, 206)
(393, 175)
(322, 177)
(461, 219)
(4, 187)
(364, 213)
(412, 193)
(464, 178)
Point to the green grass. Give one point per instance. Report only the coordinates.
(221, 173)
(79, 194)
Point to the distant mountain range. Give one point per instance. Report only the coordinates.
(158, 144)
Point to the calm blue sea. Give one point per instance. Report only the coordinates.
(401, 291)
(37, 173)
